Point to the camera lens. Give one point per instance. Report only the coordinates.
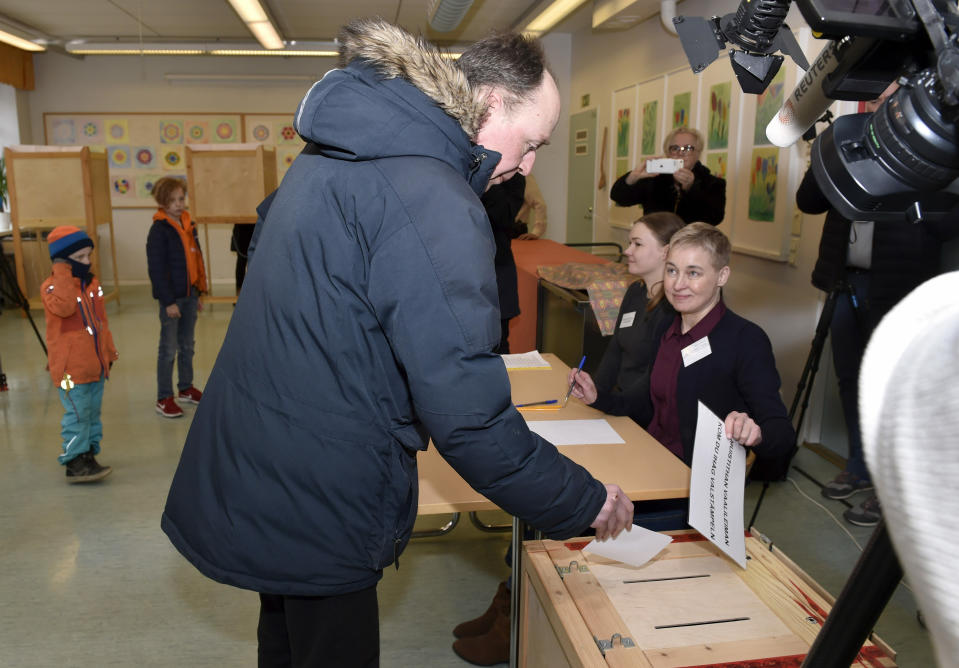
(912, 139)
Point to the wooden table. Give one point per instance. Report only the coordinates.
(641, 466)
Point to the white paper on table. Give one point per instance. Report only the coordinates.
(575, 432)
(530, 360)
(634, 547)
(716, 486)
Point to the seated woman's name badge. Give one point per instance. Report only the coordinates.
(627, 320)
(696, 351)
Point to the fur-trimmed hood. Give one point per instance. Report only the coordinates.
(393, 52)
(395, 96)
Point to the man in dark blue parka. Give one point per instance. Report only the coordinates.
(364, 329)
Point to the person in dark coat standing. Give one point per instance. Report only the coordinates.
(365, 329)
(502, 204)
(693, 193)
(872, 266)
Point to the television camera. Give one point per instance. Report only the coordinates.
(900, 163)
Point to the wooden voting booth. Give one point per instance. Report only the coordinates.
(226, 183)
(51, 186)
(689, 606)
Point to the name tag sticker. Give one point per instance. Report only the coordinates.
(627, 320)
(696, 351)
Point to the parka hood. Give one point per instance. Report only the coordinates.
(374, 106)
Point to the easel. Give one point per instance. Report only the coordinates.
(226, 183)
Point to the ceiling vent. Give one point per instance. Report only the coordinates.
(622, 14)
(445, 15)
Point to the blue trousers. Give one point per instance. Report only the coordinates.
(81, 428)
(176, 342)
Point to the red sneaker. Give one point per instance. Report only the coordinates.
(167, 408)
(191, 395)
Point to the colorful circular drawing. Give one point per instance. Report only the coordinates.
(90, 129)
(172, 158)
(119, 156)
(148, 185)
(288, 132)
(144, 156)
(117, 131)
(121, 186)
(224, 130)
(196, 132)
(171, 132)
(261, 133)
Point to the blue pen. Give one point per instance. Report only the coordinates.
(538, 403)
(570, 390)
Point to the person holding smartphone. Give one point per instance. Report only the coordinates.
(692, 192)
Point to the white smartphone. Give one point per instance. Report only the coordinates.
(664, 165)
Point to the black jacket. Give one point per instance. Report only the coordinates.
(166, 263)
(502, 202)
(622, 379)
(364, 328)
(704, 202)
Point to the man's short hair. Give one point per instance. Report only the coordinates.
(509, 61)
(164, 188)
(683, 129)
(706, 237)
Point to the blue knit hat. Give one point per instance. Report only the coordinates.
(66, 240)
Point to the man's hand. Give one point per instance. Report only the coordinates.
(584, 388)
(615, 515)
(741, 428)
(173, 311)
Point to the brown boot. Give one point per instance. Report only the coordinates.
(491, 648)
(482, 624)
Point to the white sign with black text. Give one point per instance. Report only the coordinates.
(716, 486)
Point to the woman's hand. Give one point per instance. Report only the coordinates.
(584, 388)
(684, 178)
(741, 428)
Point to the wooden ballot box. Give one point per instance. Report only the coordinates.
(226, 183)
(51, 186)
(688, 606)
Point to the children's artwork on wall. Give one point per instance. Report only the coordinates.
(718, 163)
(717, 136)
(142, 147)
(762, 184)
(198, 132)
(768, 104)
(275, 130)
(624, 147)
(650, 127)
(682, 106)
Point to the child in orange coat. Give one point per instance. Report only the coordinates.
(80, 349)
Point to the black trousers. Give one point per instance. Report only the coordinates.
(319, 631)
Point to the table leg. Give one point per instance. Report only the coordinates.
(516, 584)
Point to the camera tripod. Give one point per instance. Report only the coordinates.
(10, 291)
(805, 385)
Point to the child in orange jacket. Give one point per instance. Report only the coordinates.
(80, 349)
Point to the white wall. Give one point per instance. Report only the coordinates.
(136, 84)
(775, 295)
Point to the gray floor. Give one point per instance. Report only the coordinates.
(88, 579)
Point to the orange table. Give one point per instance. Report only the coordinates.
(529, 255)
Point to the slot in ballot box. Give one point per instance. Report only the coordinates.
(688, 606)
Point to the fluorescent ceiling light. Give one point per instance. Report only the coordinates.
(251, 12)
(314, 49)
(20, 42)
(550, 16)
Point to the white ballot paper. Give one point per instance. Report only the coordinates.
(716, 486)
(634, 547)
(530, 360)
(575, 432)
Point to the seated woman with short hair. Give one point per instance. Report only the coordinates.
(712, 355)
